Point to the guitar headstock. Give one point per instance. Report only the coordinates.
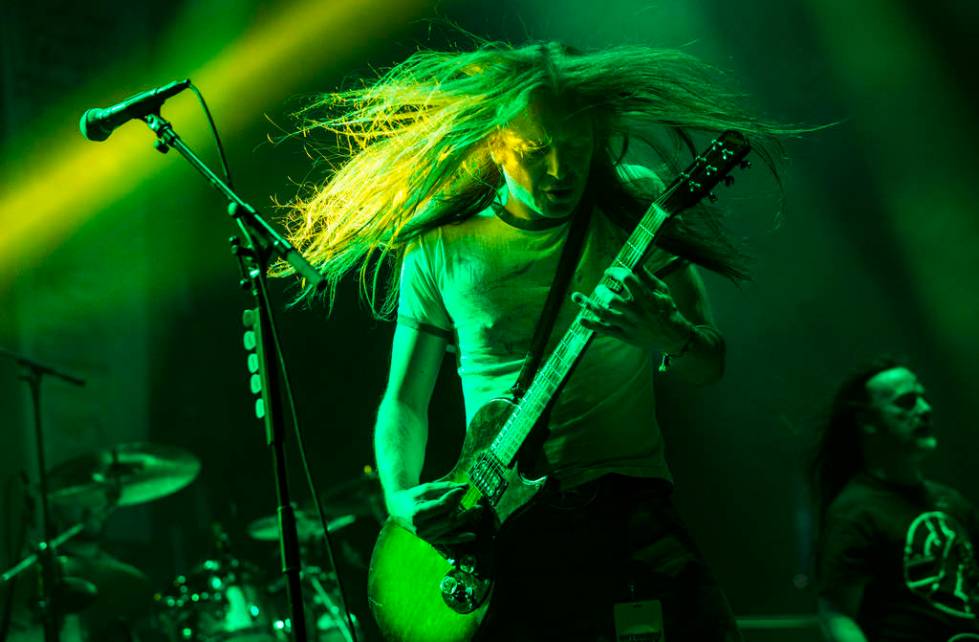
(712, 166)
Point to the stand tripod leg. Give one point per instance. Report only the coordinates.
(331, 608)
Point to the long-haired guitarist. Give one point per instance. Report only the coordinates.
(896, 556)
(465, 170)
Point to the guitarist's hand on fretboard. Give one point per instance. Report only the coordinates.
(636, 307)
(431, 511)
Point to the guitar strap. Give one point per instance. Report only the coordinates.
(559, 288)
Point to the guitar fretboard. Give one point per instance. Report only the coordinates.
(573, 343)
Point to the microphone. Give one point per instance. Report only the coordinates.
(98, 124)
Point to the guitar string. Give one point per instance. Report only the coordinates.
(521, 421)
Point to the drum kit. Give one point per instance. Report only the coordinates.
(221, 599)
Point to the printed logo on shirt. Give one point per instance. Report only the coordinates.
(940, 564)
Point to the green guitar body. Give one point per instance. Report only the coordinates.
(406, 574)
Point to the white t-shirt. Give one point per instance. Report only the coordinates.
(482, 285)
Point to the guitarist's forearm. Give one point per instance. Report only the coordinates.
(702, 361)
(400, 436)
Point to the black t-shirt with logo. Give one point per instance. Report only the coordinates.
(914, 549)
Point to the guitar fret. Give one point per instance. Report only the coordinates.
(562, 352)
(565, 354)
(523, 419)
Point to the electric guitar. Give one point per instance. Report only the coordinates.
(420, 593)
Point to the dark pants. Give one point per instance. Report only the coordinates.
(563, 564)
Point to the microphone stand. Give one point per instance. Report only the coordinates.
(259, 243)
(47, 547)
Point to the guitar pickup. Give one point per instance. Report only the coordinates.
(487, 475)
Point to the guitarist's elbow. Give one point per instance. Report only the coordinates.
(706, 365)
(718, 359)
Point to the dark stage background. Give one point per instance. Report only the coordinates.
(114, 261)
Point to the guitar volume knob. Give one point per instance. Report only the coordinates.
(449, 585)
(467, 564)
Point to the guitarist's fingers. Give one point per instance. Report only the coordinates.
(457, 538)
(458, 527)
(619, 285)
(437, 509)
(602, 327)
(451, 529)
(435, 490)
(436, 536)
(471, 516)
(594, 324)
(599, 311)
(451, 498)
(649, 278)
(585, 302)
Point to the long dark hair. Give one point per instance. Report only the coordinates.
(838, 455)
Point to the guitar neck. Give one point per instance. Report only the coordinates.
(559, 364)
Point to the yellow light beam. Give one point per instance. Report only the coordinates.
(47, 194)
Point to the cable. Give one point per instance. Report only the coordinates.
(301, 447)
(217, 137)
(287, 388)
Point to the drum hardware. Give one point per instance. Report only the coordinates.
(224, 599)
(328, 619)
(308, 528)
(96, 482)
(219, 600)
(47, 604)
(342, 506)
(332, 620)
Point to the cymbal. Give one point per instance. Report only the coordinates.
(122, 475)
(308, 526)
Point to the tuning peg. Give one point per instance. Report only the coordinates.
(745, 164)
(728, 180)
(712, 197)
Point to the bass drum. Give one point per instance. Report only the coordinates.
(219, 601)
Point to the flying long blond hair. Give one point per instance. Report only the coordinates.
(413, 148)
